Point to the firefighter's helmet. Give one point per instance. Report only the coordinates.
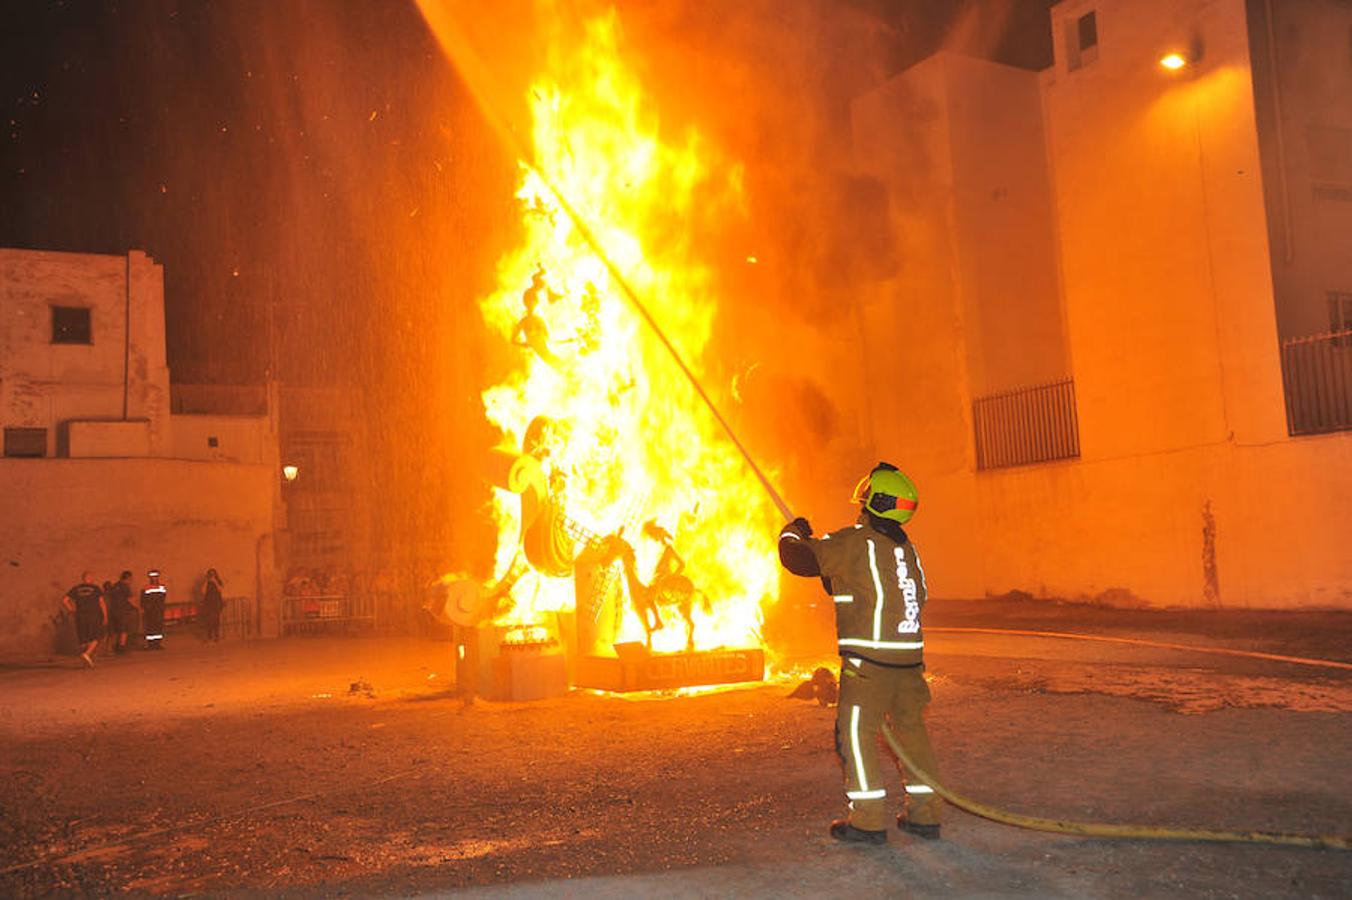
(887, 493)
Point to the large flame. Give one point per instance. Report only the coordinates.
(630, 442)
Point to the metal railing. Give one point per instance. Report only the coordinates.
(1026, 425)
(321, 612)
(239, 618)
(1317, 381)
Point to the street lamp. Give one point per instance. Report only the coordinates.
(290, 473)
(1173, 61)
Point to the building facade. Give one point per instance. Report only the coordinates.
(1098, 304)
(98, 473)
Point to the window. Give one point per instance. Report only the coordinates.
(1081, 38)
(30, 442)
(70, 325)
(1026, 425)
(212, 442)
(1087, 26)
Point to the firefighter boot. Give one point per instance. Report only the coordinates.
(928, 832)
(842, 830)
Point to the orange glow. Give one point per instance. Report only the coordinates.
(1173, 61)
(624, 445)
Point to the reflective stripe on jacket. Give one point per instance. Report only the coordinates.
(878, 587)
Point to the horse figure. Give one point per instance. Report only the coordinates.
(669, 588)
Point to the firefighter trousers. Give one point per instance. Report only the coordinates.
(871, 696)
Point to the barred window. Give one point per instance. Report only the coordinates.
(1026, 425)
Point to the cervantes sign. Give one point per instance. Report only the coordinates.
(665, 671)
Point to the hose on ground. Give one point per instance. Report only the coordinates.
(1107, 830)
(1138, 642)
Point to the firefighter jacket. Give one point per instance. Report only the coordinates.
(153, 599)
(874, 576)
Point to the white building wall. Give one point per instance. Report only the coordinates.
(133, 487)
(1188, 491)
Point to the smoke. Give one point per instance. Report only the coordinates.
(773, 82)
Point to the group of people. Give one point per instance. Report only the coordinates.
(126, 618)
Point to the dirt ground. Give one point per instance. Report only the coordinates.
(253, 769)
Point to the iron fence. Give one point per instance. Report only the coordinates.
(314, 613)
(1316, 376)
(1026, 425)
(239, 618)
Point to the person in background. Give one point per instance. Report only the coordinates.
(213, 601)
(85, 600)
(106, 639)
(153, 598)
(124, 614)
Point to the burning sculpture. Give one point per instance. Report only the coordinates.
(602, 430)
(668, 588)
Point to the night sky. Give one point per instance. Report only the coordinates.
(244, 145)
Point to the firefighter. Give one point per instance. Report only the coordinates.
(872, 571)
(153, 598)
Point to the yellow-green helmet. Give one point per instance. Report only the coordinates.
(888, 493)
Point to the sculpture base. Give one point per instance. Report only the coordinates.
(635, 669)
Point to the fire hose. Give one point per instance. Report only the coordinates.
(1137, 642)
(1107, 830)
(1122, 831)
(476, 75)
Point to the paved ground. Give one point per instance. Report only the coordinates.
(251, 769)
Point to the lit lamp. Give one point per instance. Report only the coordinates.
(1173, 61)
(290, 473)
